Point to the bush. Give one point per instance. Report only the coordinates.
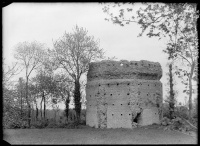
(179, 111)
(40, 124)
(12, 118)
(182, 111)
(175, 124)
(52, 124)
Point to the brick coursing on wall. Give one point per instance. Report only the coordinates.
(123, 94)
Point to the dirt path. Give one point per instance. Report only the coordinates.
(97, 136)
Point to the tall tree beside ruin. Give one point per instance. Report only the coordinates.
(73, 52)
(30, 57)
(174, 22)
(171, 93)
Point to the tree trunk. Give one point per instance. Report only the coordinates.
(29, 106)
(190, 91)
(67, 108)
(36, 107)
(21, 102)
(41, 108)
(29, 116)
(37, 113)
(77, 97)
(32, 114)
(44, 106)
(171, 100)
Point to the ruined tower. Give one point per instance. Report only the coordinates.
(123, 94)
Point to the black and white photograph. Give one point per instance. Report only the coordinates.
(100, 73)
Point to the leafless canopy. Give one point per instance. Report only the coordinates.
(74, 51)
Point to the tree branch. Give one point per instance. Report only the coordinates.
(184, 58)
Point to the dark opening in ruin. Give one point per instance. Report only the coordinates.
(127, 93)
(110, 94)
(135, 63)
(128, 84)
(121, 114)
(108, 85)
(117, 84)
(99, 85)
(136, 120)
(104, 93)
(121, 104)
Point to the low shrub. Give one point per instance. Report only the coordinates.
(12, 118)
(179, 111)
(52, 124)
(176, 124)
(182, 111)
(40, 124)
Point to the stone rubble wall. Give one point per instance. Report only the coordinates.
(121, 94)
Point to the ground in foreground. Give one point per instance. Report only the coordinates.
(86, 135)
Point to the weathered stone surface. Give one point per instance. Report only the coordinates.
(149, 116)
(123, 93)
(91, 116)
(125, 70)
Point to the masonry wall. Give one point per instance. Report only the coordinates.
(123, 94)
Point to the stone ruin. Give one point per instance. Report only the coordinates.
(123, 94)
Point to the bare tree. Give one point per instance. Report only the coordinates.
(73, 52)
(30, 56)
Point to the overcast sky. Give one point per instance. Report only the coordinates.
(45, 22)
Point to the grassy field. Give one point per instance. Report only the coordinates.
(87, 135)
